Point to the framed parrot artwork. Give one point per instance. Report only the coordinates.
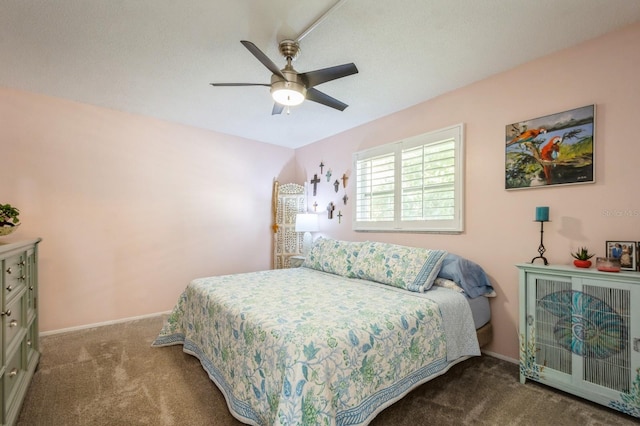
(556, 149)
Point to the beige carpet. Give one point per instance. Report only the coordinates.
(112, 376)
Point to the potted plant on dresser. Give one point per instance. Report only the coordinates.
(8, 219)
(581, 258)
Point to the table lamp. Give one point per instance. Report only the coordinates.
(307, 223)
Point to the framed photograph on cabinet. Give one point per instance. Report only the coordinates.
(556, 149)
(626, 251)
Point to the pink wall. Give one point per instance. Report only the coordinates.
(130, 208)
(500, 231)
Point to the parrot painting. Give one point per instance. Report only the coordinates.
(527, 136)
(549, 154)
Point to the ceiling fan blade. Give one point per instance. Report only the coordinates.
(313, 78)
(263, 58)
(238, 84)
(277, 109)
(324, 99)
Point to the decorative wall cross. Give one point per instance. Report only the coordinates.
(321, 167)
(336, 185)
(339, 216)
(330, 209)
(315, 206)
(328, 175)
(315, 182)
(345, 198)
(345, 178)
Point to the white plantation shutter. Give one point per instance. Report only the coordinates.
(412, 185)
(375, 190)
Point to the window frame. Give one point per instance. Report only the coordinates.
(454, 225)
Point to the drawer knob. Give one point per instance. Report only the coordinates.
(13, 323)
(22, 263)
(13, 372)
(22, 277)
(8, 270)
(29, 342)
(9, 287)
(7, 313)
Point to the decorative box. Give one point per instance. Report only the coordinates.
(608, 264)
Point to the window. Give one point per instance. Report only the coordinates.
(412, 185)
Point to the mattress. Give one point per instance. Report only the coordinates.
(480, 310)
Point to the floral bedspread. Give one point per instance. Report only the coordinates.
(303, 347)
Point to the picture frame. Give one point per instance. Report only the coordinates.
(626, 251)
(552, 150)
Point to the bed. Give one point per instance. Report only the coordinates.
(337, 340)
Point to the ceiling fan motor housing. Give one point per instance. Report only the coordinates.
(289, 49)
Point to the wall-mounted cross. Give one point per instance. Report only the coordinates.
(330, 209)
(345, 178)
(321, 167)
(339, 216)
(315, 206)
(328, 175)
(315, 181)
(336, 185)
(345, 198)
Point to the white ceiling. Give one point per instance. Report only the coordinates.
(157, 57)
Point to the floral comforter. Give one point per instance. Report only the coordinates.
(303, 347)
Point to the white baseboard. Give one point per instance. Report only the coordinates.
(502, 357)
(101, 324)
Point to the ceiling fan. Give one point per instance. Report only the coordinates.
(289, 87)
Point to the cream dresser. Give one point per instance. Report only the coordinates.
(19, 331)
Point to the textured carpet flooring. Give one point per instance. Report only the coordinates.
(112, 376)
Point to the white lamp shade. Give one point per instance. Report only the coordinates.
(307, 222)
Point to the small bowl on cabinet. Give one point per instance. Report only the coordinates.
(608, 264)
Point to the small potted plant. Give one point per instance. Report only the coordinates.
(582, 257)
(8, 219)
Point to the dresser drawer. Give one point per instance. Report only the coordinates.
(13, 321)
(32, 342)
(32, 286)
(13, 374)
(15, 274)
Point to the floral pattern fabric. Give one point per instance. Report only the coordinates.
(302, 347)
(333, 256)
(410, 268)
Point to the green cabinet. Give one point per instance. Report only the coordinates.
(580, 332)
(19, 329)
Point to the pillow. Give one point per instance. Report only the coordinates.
(451, 285)
(410, 268)
(333, 256)
(467, 274)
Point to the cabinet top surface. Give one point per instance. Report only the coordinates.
(573, 270)
(4, 248)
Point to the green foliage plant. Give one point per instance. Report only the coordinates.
(582, 254)
(8, 215)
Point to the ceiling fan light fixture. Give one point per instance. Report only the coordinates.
(287, 97)
(288, 93)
